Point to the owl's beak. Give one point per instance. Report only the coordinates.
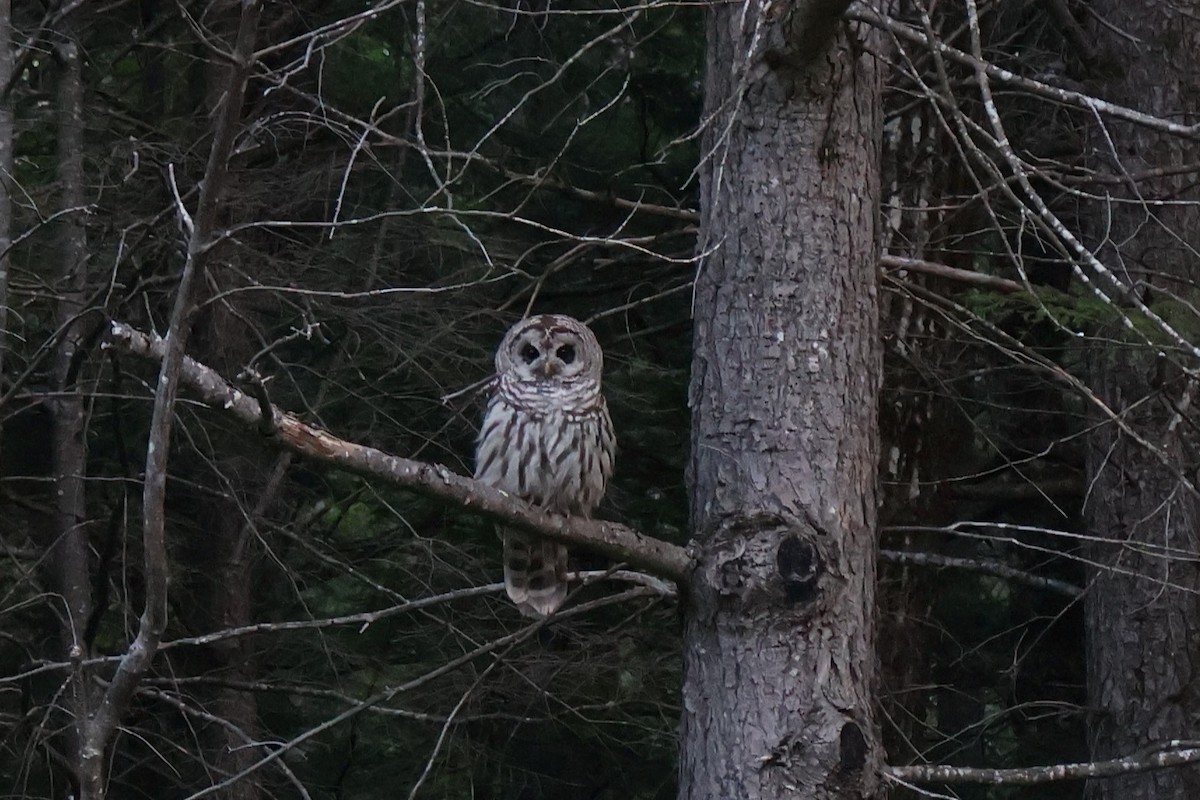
(549, 368)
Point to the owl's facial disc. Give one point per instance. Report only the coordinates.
(548, 355)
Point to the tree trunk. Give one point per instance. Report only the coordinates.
(227, 591)
(69, 551)
(779, 660)
(225, 561)
(6, 166)
(1143, 616)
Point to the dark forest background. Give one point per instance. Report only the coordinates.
(409, 178)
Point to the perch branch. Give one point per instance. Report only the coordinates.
(610, 539)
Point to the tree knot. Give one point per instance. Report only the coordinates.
(800, 566)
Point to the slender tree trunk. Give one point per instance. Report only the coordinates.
(227, 565)
(69, 552)
(225, 562)
(6, 166)
(914, 420)
(1143, 615)
(779, 655)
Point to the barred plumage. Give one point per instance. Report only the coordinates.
(548, 439)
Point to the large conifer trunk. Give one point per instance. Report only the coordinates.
(1143, 615)
(779, 650)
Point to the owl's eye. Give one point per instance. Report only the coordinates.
(529, 353)
(566, 353)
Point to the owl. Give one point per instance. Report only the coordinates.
(546, 438)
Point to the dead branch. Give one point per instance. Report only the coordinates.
(1171, 753)
(984, 566)
(864, 13)
(503, 644)
(1002, 285)
(364, 619)
(613, 540)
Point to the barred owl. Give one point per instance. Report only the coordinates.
(547, 439)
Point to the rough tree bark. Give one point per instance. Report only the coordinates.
(1143, 612)
(779, 646)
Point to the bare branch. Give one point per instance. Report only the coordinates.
(1171, 753)
(864, 13)
(952, 273)
(986, 566)
(388, 694)
(613, 540)
(189, 710)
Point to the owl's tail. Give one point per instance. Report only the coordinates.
(535, 572)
